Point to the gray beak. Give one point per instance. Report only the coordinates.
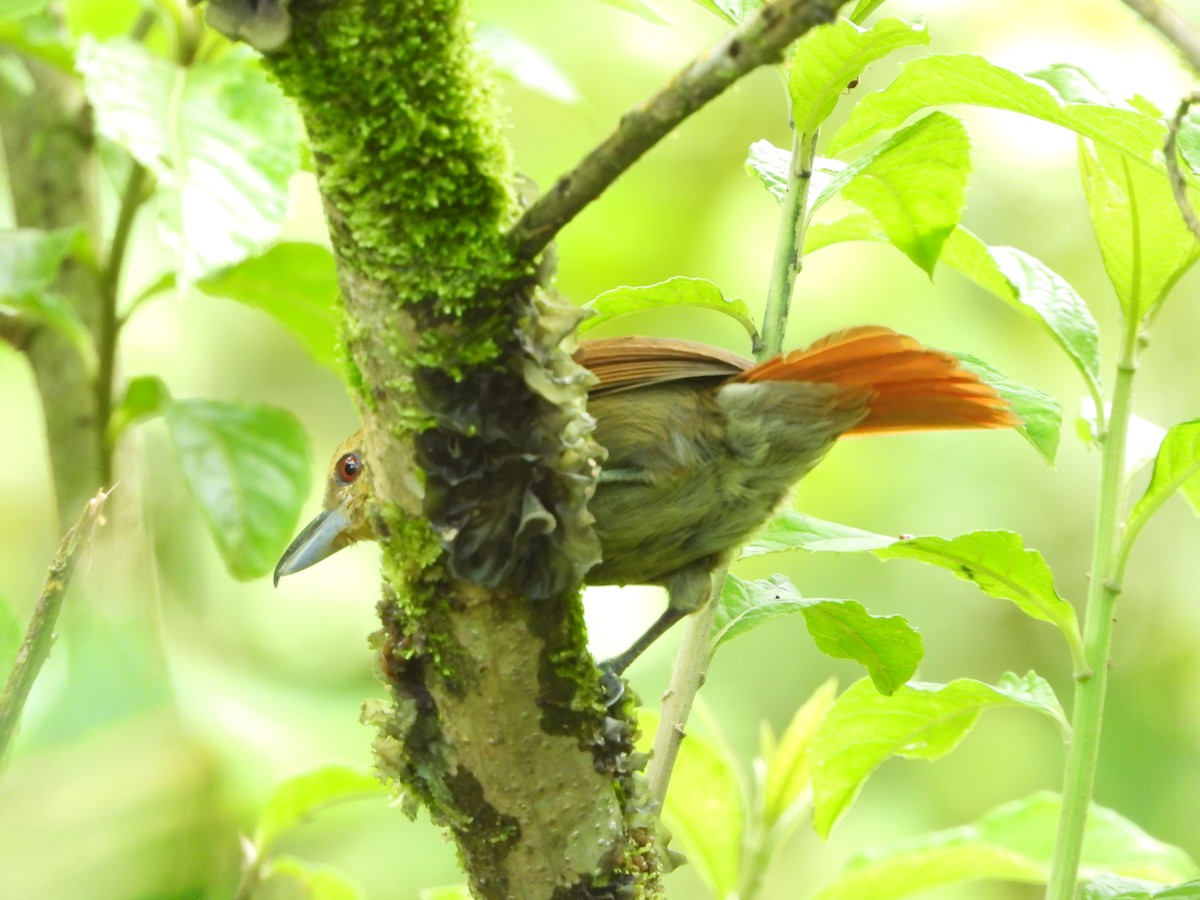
(321, 537)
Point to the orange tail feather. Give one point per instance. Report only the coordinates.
(912, 387)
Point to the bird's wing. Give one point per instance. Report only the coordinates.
(627, 363)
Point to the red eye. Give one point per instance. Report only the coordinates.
(348, 468)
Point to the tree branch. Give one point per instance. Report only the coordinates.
(1178, 31)
(760, 40)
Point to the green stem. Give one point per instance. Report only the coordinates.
(1107, 566)
(789, 245)
(39, 637)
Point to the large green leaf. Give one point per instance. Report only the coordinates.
(705, 808)
(887, 646)
(791, 530)
(864, 728)
(219, 137)
(296, 799)
(999, 564)
(248, 468)
(1013, 842)
(679, 291)
(1175, 469)
(830, 57)
(296, 284)
(1143, 240)
(962, 78)
(785, 778)
(1040, 414)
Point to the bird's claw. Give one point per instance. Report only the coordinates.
(612, 683)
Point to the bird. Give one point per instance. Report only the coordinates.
(703, 445)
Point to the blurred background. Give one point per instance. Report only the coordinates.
(177, 697)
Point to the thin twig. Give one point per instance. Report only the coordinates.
(39, 637)
(1178, 32)
(760, 40)
(1178, 182)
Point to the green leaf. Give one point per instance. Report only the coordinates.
(962, 78)
(446, 892)
(525, 64)
(729, 10)
(999, 564)
(1175, 469)
(1142, 438)
(771, 165)
(705, 808)
(785, 778)
(316, 882)
(1013, 842)
(248, 467)
(887, 646)
(913, 184)
(296, 284)
(831, 56)
(19, 9)
(298, 798)
(11, 635)
(1144, 242)
(144, 397)
(674, 292)
(219, 137)
(639, 8)
(1040, 414)
(791, 530)
(864, 9)
(864, 728)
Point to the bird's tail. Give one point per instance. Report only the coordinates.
(911, 388)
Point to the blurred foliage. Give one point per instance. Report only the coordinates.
(178, 699)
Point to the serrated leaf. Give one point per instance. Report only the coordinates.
(218, 136)
(786, 779)
(829, 57)
(296, 799)
(680, 291)
(791, 530)
(1175, 469)
(1013, 842)
(943, 79)
(913, 185)
(315, 882)
(525, 64)
(295, 284)
(639, 8)
(11, 635)
(1040, 414)
(1144, 242)
(864, 728)
(705, 808)
(145, 396)
(998, 563)
(248, 468)
(887, 646)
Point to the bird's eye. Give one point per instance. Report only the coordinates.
(348, 468)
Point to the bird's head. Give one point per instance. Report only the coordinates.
(344, 520)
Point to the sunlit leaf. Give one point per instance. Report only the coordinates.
(248, 468)
(296, 799)
(315, 882)
(864, 728)
(1142, 437)
(1013, 842)
(999, 564)
(771, 165)
(830, 57)
(145, 396)
(791, 530)
(525, 64)
(1040, 414)
(962, 78)
(219, 137)
(1144, 242)
(639, 8)
(864, 9)
(1175, 469)
(913, 185)
(695, 293)
(17, 9)
(887, 646)
(294, 283)
(705, 808)
(11, 634)
(785, 779)
(729, 10)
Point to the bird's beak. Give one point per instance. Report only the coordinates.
(322, 537)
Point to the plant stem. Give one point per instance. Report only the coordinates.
(1105, 587)
(39, 637)
(789, 245)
